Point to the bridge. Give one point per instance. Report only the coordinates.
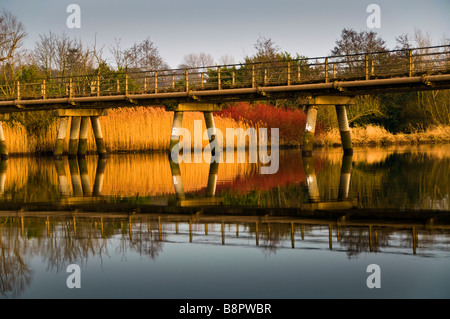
(313, 82)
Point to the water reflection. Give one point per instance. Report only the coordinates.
(411, 180)
(60, 239)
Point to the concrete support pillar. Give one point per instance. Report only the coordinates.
(63, 182)
(3, 148)
(99, 174)
(74, 135)
(346, 139)
(62, 132)
(344, 182)
(210, 126)
(84, 130)
(176, 129)
(177, 180)
(96, 127)
(310, 128)
(311, 179)
(212, 179)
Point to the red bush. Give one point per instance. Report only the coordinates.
(290, 122)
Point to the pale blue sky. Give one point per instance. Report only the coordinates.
(178, 27)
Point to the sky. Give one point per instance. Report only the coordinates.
(228, 27)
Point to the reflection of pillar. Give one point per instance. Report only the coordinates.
(85, 182)
(346, 139)
(75, 176)
(176, 129)
(311, 179)
(96, 127)
(212, 179)
(344, 182)
(177, 180)
(99, 174)
(310, 128)
(84, 130)
(62, 132)
(3, 148)
(74, 135)
(63, 182)
(3, 167)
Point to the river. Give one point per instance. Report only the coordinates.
(141, 226)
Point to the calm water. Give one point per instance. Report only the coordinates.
(140, 226)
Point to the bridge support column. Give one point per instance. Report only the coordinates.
(344, 129)
(84, 130)
(96, 127)
(206, 108)
(339, 102)
(3, 148)
(310, 128)
(62, 132)
(74, 135)
(176, 129)
(79, 131)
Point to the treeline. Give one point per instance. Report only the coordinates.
(58, 55)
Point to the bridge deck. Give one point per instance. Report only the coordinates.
(368, 73)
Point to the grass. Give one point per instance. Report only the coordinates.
(143, 129)
(372, 135)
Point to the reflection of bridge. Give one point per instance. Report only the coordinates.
(313, 82)
(76, 191)
(344, 233)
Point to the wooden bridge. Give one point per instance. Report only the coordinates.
(313, 82)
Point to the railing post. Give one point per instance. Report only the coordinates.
(253, 76)
(411, 63)
(173, 81)
(70, 87)
(118, 85)
(126, 84)
(367, 66)
(145, 83)
(334, 70)
(219, 84)
(298, 73)
(289, 74)
(187, 80)
(18, 89)
(203, 80)
(326, 70)
(233, 80)
(265, 77)
(98, 85)
(43, 90)
(156, 82)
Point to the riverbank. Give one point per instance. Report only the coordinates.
(147, 129)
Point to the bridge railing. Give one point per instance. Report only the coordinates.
(364, 66)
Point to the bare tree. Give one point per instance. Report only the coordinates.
(144, 56)
(197, 60)
(12, 32)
